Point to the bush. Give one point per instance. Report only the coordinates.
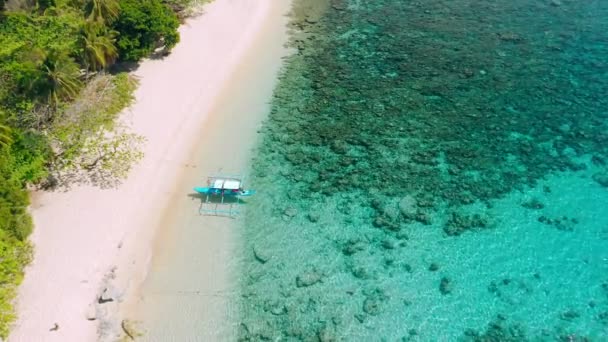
(15, 226)
(142, 26)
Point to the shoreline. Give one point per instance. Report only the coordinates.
(91, 242)
(189, 291)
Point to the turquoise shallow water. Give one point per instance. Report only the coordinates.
(434, 171)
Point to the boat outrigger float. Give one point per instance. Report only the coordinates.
(222, 195)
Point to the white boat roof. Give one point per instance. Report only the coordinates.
(230, 184)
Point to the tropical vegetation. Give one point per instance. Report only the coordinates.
(60, 93)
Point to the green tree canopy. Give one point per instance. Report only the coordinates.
(143, 25)
(101, 10)
(98, 49)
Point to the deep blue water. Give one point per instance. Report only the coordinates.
(434, 171)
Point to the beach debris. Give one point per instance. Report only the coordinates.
(107, 295)
(125, 325)
(55, 327)
(91, 313)
(261, 255)
(445, 286)
(308, 278)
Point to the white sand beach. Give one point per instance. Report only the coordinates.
(88, 240)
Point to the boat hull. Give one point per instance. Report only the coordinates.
(214, 191)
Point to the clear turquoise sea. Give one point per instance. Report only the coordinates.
(434, 171)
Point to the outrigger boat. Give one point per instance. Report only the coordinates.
(222, 195)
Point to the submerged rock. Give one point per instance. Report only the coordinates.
(408, 207)
(261, 255)
(459, 223)
(308, 278)
(326, 334)
(353, 246)
(289, 213)
(389, 243)
(601, 179)
(374, 302)
(445, 286)
(534, 203)
(313, 217)
(372, 306)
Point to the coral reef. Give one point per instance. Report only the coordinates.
(398, 121)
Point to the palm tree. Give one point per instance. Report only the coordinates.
(101, 10)
(59, 79)
(98, 45)
(5, 135)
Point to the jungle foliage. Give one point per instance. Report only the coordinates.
(59, 98)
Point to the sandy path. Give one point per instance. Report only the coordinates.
(82, 234)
